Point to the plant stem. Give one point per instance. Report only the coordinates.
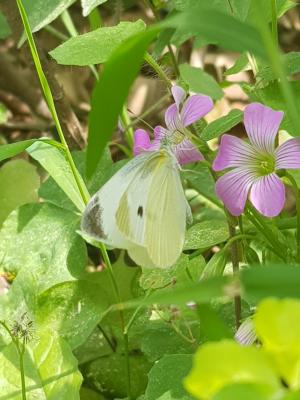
(235, 264)
(122, 319)
(126, 121)
(274, 21)
(22, 372)
(297, 200)
(107, 338)
(95, 19)
(157, 68)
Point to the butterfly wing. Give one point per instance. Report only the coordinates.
(152, 212)
(98, 219)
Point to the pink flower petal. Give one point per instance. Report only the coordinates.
(262, 124)
(172, 118)
(268, 195)
(194, 108)
(233, 152)
(160, 132)
(288, 155)
(178, 94)
(233, 187)
(141, 141)
(186, 152)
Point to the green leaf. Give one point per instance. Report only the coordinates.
(5, 30)
(89, 5)
(88, 394)
(271, 280)
(240, 64)
(11, 150)
(41, 240)
(50, 370)
(218, 364)
(55, 163)
(212, 25)
(201, 292)
(222, 125)
(95, 47)
(107, 374)
(72, 309)
(200, 81)
(212, 326)
(42, 12)
(215, 266)
(19, 183)
(110, 94)
(291, 62)
(245, 391)
(166, 376)
(272, 96)
(159, 338)
(206, 234)
(277, 324)
(200, 178)
(264, 7)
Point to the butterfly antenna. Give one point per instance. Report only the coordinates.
(140, 119)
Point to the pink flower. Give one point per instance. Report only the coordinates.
(177, 117)
(255, 164)
(4, 286)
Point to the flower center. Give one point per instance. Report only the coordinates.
(266, 164)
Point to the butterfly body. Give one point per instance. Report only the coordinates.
(143, 209)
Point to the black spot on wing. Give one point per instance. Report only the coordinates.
(140, 211)
(92, 222)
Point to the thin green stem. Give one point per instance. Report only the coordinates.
(238, 237)
(50, 101)
(157, 68)
(107, 338)
(122, 318)
(126, 121)
(297, 200)
(21, 356)
(274, 22)
(56, 33)
(134, 315)
(95, 19)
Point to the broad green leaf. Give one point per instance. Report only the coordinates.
(110, 94)
(95, 47)
(273, 280)
(88, 394)
(200, 178)
(52, 193)
(216, 265)
(55, 163)
(166, 376)
(240, 65)
(219, 364)
(245, 391)
(277, 324)
(271, 95)
(41, 240)
(89, 5)
(180, 274)
(202, 292)
(212, 25)
(5, 30)
(12, 149)
(160, 338)
(200, 81)
(107, 374)
(212, 326)
(291, 62)
(206, 234)
(50, 370)
(42, 12)
(19, 184)
(265, 8)
(3, 109)
(222, 125)
(72, 309)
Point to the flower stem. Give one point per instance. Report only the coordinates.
(158, 69)
(297, 200)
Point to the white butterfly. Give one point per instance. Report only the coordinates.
(142, 209)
